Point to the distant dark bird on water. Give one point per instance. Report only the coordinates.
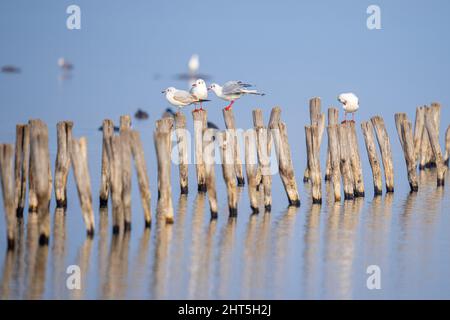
(116, 128)
(141, 115)
(212, 125)
(64, 64)
(10, 69)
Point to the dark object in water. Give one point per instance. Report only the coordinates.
(141, 115)
(169, 113)
(212, 125)
(116, 128)
(10, 69)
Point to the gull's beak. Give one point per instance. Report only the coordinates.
(164, 91)
(209, 88)
(194, 84)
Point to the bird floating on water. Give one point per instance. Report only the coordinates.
(233, 90)
(350, 103)
(199, 90)
(141, 115)
(64, 64)
(180, 98)
(10, 69)
(193, 70)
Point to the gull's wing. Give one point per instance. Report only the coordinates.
(232, 87)
(184, 97)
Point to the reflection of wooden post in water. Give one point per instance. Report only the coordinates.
(447, 146)
(200, 124)
(181, 132)
(162, 146)
(83, 182)
(143, 180)
(345, 163)
(405, 135)
(355, 160)
(385, 149)
(313, 169)
(369, 139)
(418, 134)
(317, 118)
(264, 144)
(209, 163)
(6, 171)
(433, 134)
(335, 158)
(21, 165)
(285, 166)
(62, 165)
(251, 167)
(226, 142)
(108, 132)
(230, 124)
(125, 128)
(333, 119)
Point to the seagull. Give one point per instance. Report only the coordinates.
(199, 90)
(180, 98)
(64, 64)
(232, 90)
(194, 64)
(350, 104)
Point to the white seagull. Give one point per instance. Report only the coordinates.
(194, 64)
(180, 98)
(232, 90)
(350, 103)
(64, 64)
(199, 90)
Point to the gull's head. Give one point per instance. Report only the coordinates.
(169, 90)
(341, 98)
(199, 83)
(215, 88)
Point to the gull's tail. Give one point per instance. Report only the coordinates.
(203, 100)
(254, 92)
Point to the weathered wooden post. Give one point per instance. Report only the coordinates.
(447, 146)
(226, 141)
(355, 160)
(62, 165)
(251, 168)
(312, 149)
(21, 165)
(345, 162)
(182, 143)
(200, 123)
(125, 128)
(78, 155)
(209, 161)
(6, 172)
(334, 153)
(108, 132)
(418, 131)
(333, 118)
(264, 143)
(163, 147)
(32, 197)
(385, 149)
(316, 118)
(230, 124)
(369, 140)
(430, 124)
(143, 180)
(405, 135)
(285, 165)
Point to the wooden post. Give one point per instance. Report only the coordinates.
(345, 162)
(251, 168)
(162, 146)
(143, 180)
(355, 160)
(62, 165)
(226, 140)
(430, 124)
(108, 132)
(333, 149)
(21, 165)
(200, 123)
(333, 118)
(230, 124)
(182, 143)
(32, 197)
(125, 127)
(316, 118)
(385, 149)
(312, 149)
(426, 154)
(369, 139)
(285, 165)
(447, 146)
(6, 172)
(436, 111)
(210, 175)
(418, 132)
(78, 155)
(407, 142)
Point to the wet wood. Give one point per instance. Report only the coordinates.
(125, 128)
(251, 168)
(7, 181)
(182, 144)
(312, 149)
(404, 131)
(108, 132)
(62, 164)
(209, 162)
(230, 124)
(430, 124)
(79, 159)
(369, 139)
(334, 154)
(226, 141)
(345, 162)
(385, 150)
(200, 123)
(333, 119)
(355, 160)
(142, 175)
(21, 166)
(316, 118)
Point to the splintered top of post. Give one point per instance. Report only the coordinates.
(275, 116)
(180, 120)
(258, 121)
(200, 115)
(164, 125)
(125, 122)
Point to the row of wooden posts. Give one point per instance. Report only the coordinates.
(32, 163)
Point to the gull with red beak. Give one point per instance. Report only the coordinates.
(232, 90)
(199, 90)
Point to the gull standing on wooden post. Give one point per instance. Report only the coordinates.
(350, 104)
(233, 90)
(180, 98)
(199, 90)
